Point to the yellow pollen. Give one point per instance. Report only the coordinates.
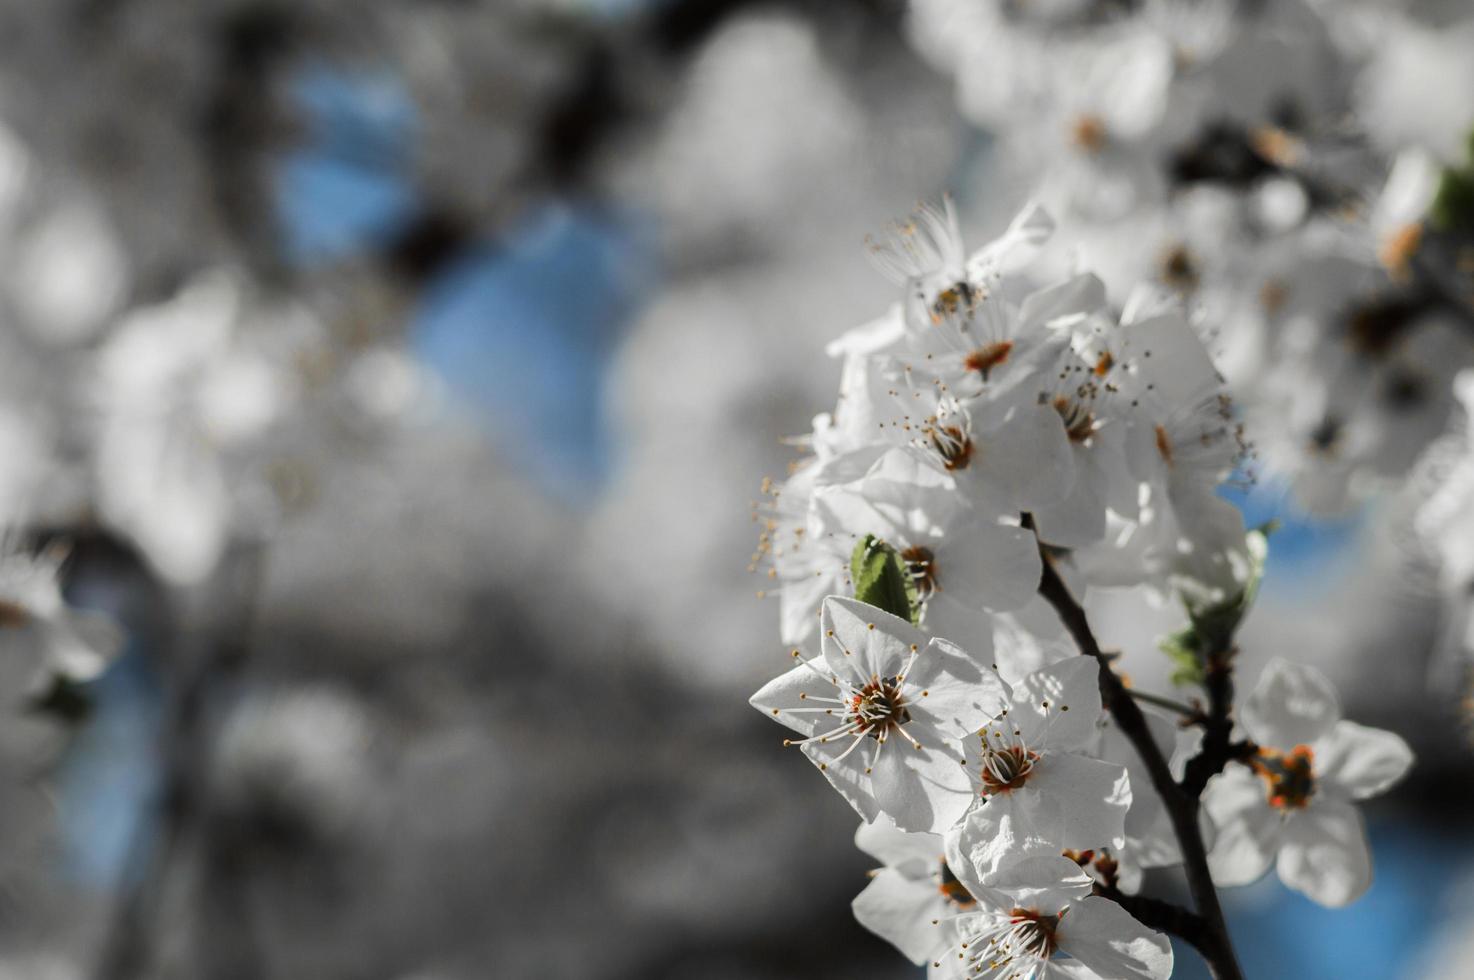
(1272, 296)
(986, 358)
(1398, 248)
(13, 614)
(1088, 133)
(1164, 445)
(1276, 145)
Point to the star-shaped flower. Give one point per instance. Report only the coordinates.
(1292, 804)
(1036, 789)
(1043, 923)
(881, 710)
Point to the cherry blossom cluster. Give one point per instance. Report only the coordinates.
(1285, 171)
(996, 451)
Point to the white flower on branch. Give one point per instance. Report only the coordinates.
(881, 712)
(1292, 803)
(1043, 923)
(1036, 788)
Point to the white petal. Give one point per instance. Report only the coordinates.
(952, 690)
(1248, 828)
(1047, 883)
(1325, 856)
(1080, 518)
(1028, 458)
(998, 832)
(922, 790)
(863, 641)
(878, 336)
(991, 565)
(781, 694)
(1059, 705)
(1360, 760)
(1019, 649)
(914, 854)
(1170, 359)
(1016, 247)
(848, 777)
(1093, 797)
(1084, 293)
(970, 627)
(1291, 705)
(1150, 841)
(1105, 939)
(903, 912)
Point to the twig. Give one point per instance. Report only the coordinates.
(1162, 916)
(1168, 704)
(129, 948)
(1182, 807)
(1217, 747)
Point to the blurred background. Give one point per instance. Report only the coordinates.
(401, 376)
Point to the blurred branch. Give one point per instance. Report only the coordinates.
(185, 751)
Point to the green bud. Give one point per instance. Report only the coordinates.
(882, 580)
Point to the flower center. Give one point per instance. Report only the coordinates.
(953, 445)
(1272, 296)
(1079, 420)
(13, 614)
(1276, 145)
(878, 707)
(1289, 775)
(986, 358)
(1006, 768)
(1374, 326)
(1325, 436)
(953, 890)
(922, 564)
(1164, 445)
(1032, 933)
(1088, 133)
(959, 296)
(1398, 249)
(1179, 269)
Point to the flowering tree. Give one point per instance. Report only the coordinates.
(1260, 265)
(996, 451)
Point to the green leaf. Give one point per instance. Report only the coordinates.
(882, 580)
(1453, 204)
(1211, 626)
(1187, 665)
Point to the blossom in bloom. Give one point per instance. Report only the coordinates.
(1080, 388)
(1043, 923)
(881, 711)
(926, 254)
(1006, 454)
(58, 641)
(1292, 803)
(1035, 787)
(803, 561)
(912, 894)
(961, 560)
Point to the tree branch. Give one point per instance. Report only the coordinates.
(1182, 807)
(1162, 916)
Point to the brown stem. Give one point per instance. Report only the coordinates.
(1218, 747)
(1212, 940)
(1162, 916)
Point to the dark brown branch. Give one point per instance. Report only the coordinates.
(1182, 808)
(1162, 916)
(1217, 723)
(129, 950)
